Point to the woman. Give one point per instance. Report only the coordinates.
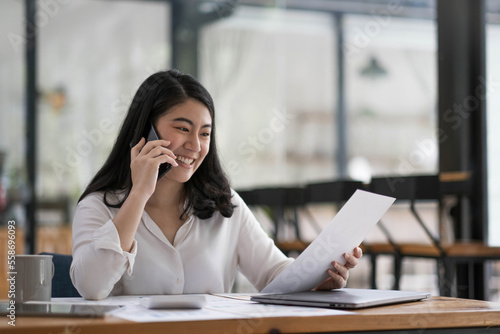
(184, 232)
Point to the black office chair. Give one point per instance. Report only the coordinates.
(61, 282)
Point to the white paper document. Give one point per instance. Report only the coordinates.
(219, 306)
(344, 232)
(138, 313)
(226, 307)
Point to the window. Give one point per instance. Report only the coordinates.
(391, 79)
(493, 119)
(12, 129)
(271, 73)
(90, 64)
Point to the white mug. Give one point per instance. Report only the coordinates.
(33, 278)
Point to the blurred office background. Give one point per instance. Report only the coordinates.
(305, 92)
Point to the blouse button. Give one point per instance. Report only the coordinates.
(178, 281)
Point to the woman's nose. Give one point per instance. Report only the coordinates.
(193, 143)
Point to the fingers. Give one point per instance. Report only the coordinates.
(337, 279)
(338, 276)
(137, 148)
(358, 252)
(154, 149)
(351, 260)
(163, 154)
(341, 270)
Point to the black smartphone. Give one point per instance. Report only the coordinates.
(164, 168)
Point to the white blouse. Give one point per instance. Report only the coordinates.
(203, 258)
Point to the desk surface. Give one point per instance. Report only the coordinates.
(434, 313)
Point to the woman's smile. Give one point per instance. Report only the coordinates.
(184, 161)
(188, 127)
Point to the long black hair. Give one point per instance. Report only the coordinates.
(208, 190)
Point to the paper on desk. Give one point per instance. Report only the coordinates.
(218, 307)
(139, 313)
(344, 232)
(249, 309)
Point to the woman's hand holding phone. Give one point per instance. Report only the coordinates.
(146, 158)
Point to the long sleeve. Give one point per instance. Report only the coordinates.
(204, 257)
(98, 260)
(258, 257)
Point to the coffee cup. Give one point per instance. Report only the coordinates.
(33, 278)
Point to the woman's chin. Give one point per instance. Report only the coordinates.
(174, 176)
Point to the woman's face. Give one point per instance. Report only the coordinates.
(187, 126)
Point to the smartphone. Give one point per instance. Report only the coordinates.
(164, 168)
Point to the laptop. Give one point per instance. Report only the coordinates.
(342, 298)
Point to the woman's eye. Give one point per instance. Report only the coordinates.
(183, 129)
(206, 134)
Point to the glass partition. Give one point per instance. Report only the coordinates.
(271, 73)
(92, 56)
(12, 127)
(493, 119)
(493, 137)
(391, 88)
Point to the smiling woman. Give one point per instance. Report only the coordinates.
(187, 127)
(163, 98)
(187, 232)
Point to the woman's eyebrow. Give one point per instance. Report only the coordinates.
(183, 119)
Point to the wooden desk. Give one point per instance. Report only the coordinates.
(436, 315)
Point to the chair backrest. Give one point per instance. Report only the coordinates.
(331, 192)
(412, 187)
(61, 282)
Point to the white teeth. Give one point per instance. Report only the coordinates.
(185, 160)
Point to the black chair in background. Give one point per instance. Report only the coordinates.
(425, 188)
(332, 191)
(281, 204)
(61, 282)
(408, 189)
(411, 189)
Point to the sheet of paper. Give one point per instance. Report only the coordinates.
(344, 232)
(219, 306)
(223, 306)
(139, 313)
(249, 309)
(238, 296)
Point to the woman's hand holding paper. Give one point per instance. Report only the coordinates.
(340, 273)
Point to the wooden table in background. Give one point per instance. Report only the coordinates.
(435, 315)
